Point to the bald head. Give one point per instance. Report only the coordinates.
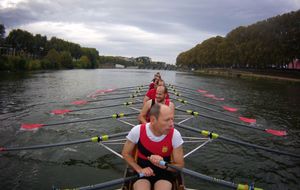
(158, 109)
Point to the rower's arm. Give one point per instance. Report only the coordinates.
(177, 157)
(146, 98)
(142, 116)
(172, 107)
(127, 155)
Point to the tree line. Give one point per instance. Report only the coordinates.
(271, 43)
(21, 50)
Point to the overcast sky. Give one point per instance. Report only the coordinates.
(160, 29)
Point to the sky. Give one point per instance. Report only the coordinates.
(159, 29)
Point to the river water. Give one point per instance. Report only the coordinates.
(28, 98)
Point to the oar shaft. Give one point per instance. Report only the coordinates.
(123, 92)
(100, 107)
(47, 145)
(239, 142)
(85, 120)
(204, 177)
(224, 120)
(110, 183)
(210, 109)
(258, 147)
(116, 98)
(93, 139)
(195, 99)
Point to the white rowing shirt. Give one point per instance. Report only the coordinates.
(134, 136)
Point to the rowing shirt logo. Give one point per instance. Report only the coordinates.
(164, 149)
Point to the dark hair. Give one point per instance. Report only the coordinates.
(155, 111)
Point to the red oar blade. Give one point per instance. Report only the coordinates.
(60, 112)
(201, 91)
(220, 99)
(99, 92)
(31, 126)
(276, 132)
(229, 109)
(247, 120)
(79, 102)
(2, 149)
(209, 95)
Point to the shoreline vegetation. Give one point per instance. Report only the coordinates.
(292, 76)
(260, 48)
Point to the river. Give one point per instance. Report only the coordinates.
(28, 98)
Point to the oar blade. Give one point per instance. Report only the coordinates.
(209, 95)
(201, 91)
(80, 102)
(30, 126)
(247, 120)
(229, 109)
(60, 112)
(276, 132)
(99, 92)
(219, 99)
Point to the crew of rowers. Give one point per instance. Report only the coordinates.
(157, 93)
(154, 140)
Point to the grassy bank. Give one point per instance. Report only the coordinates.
(290, 76)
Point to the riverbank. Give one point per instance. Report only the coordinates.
(291, 76)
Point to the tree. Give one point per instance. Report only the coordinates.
(53, 60)
(2, 34)
(66, 60)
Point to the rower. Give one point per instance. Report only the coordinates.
(155, 80)
(155, 141)
(161, 94)
(151, 94)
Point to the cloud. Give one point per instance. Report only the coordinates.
(159, 29)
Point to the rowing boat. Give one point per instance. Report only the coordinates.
(129, 175)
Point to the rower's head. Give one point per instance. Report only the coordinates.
(161, 94)
(156, 77)
(159, 83)
(161, 118)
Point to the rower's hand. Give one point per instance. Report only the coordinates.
(147, 172)
(155, 159)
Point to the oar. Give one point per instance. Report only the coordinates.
(106, 184)
(217, 136)
(92, 139)
(120, 92)
(64, 111)
(270, 131)
(81, 102)
(38, 125)
(129, 88)
(209, 178)
(227, 108)
(114, 94)
(247, 120)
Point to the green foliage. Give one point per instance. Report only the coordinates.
(66, 60)
(33, 65)
(84, 62)
(92, 54)
(270, 43)
(53, 59)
